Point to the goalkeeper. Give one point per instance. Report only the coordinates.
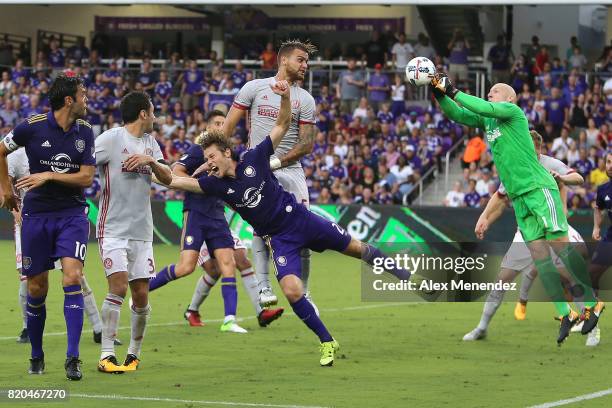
(533, 191)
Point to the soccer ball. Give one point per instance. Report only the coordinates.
(419, 71)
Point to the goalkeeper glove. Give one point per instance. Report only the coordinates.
(442, 83)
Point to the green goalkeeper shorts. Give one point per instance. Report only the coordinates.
(539, 215)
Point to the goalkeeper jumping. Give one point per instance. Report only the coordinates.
(532, 189)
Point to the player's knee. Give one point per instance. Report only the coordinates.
(73, 276)
(184, 269)
(227, 266)
(293, 293)
(37, 286)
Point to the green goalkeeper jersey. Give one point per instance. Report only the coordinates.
(507, 132)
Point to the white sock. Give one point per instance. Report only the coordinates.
(23, 301)
(201, 291)
(91, 309)
(111, 309)
(526, 283)
(251, 285)
(490, 307)
(260, 259)
(229, 318)
(305, 261)
(140, 315)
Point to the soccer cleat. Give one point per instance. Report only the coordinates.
(328, 352)
(566, 325)
(97, 338)
(131, 363)
(193, 317)
(307, 296)
(593, 337)
(110, 365)
(267, 316)
(73, 368)
(232, 327)
(37, 366)
(591, 317)
(267, 297)
(577, 328)
(520, 311)
(476, 334)
(23, 337)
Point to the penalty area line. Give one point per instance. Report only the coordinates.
(578, 398)
(183, 401)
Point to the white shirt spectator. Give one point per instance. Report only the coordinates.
(482, 187)
(403, 54)
(341, 150)
(560, 147)
(361, 112)
(398, 92)
(401, 174)
(454, 198)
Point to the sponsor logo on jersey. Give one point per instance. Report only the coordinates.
(108, 263)
(607, 198)
(184, 157)
(230, 191)
(265, 97)
(125, 151)
(140, 170)
(295, 104)
(149, 151)
(46, 144)
(252, 196)
(80, 145)
(288, 208)
(250, 171)
(267, 111)
(493, 134)
(281, 260)
(60, 163)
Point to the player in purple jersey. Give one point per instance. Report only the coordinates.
(252, 190)
(205, 229)
(60, 150)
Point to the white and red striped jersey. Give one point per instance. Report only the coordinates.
(125, 204)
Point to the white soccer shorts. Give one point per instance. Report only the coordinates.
(204, 255)
(120, 255)
(293, 180)
(518, 257)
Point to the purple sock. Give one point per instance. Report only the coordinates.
(162, 277)
(304, 310)
(37, 314)
(369, 255)
(73, 314)
(230, 295)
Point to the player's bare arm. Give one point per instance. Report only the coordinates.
(597, 218)
(571, 179)
(494, 209)
(9, 201)
(162, 171)
(284, 115)
(231, 121)
(186, 184)
(83, 178)
(303, 147)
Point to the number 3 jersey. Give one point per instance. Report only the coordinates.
(125, 203)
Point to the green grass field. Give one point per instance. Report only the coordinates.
(393, 355)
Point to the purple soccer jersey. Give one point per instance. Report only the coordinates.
(55, 224)
(258, 197)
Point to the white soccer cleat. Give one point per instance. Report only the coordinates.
(593, 337)
(307, 296)
(267, 297)
(232, 327)
(577, 327)
(476, 334)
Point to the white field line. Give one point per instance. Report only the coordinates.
(181, 323)
(182, 401)
(579, 398)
